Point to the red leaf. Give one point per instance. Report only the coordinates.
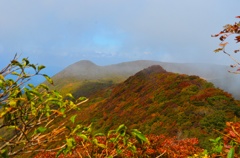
(232, 133)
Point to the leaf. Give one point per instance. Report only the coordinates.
(83, 136)
(110, 132)
(232, 134)
(99, 134)
(12, 103)
(31, 86)
(70, 144)
(4, 153)
(231, 153)
(139, 136)
(81, 99)
(69, 95)
(60, 152)
(34, 92)
(40, 67)
(223, 44)
(33, 66)
(133, 148)
(15, 73)
(102, 146)
(76, 129)
(218, 50)
(1, 83)
(15, 62)
(44, 86)
(25, 61)
(13, 127)
(40, 130)
(48, 78)
(121, 128)
(95, 141)
(72, 119)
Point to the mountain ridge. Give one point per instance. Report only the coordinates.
(159, 102)
(72, 78)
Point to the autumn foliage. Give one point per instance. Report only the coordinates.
(229, 30)
(159, 145)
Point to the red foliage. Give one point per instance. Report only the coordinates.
(159, 145)
(184, 84)
(208, 92)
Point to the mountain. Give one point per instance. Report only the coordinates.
(159, 102)
(85, 78)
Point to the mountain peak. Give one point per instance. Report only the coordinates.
(86, 63)
(152, 69)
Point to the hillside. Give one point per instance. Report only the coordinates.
(159, 102)
(85, 78)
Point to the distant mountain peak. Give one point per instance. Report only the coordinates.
(85, 63)
(152, 69)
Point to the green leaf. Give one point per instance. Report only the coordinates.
(15, 62)
(40, 130)
(139, 136)
(121, 129)
(102, 146)
(60, 152)
(99, 134)
(34, 92)
(72, 119)
(31, 85)
(231, 153)
(44, 86)
(81, 99)
(71, 144)
(76, 129)
(15, 73)
(95, 141)
(12, 103)
(48, 78)
(12, 127)
(25, 61)
(4, 153)
(40, 67)
(133, 148)
(33, 66)
(110, 132)
(119, 151)
(83, 136)
(69, 95)
(1, 84)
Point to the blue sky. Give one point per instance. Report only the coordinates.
(58, 33)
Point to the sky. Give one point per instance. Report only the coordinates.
(57, 33)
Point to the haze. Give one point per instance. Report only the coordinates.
(57, 33)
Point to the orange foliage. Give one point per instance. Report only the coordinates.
(159, 145)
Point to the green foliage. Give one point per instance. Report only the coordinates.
(217, 145)
(216, 120)
(29, 112)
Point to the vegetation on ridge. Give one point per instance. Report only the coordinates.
(160, 102)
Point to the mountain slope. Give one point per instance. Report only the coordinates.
(77, 76)
(159, 102)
